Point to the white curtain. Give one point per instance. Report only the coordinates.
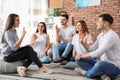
(31, 12)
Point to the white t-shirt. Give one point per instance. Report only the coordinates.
(108, 47)
(66, 33)
(40, 43)
(80, 49)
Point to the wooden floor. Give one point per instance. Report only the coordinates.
(54, 73)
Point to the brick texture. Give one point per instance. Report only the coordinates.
(90, 14)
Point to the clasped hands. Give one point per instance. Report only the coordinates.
(78, 57)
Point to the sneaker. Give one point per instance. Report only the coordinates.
(21, 70)
(80, 71)
(105, 77)
(44, 69)
(63, 62)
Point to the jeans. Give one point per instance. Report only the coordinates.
(44, 59)
(98, 68)
(57, 48)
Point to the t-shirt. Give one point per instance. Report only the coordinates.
(66, 33)
(108, 47)
(80, 49)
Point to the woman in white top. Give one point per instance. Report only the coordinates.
(78, 46)
(40, 42)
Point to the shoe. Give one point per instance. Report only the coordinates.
(53, 65)
(105, 77)
(21, 70)
(80, 71)
(44, 69)
(63, 62)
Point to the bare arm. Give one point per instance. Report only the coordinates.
(47, 46)
(58, 37)
(74, 51)
(33, 38)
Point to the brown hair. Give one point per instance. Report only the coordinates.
(84, 26)
(9, 24)
(45, 29)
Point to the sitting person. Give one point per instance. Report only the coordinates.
(64, 37)
(107, 46)
(78, 47)
(11, 49)
(41, 42)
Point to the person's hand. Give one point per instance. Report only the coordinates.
(57, 29)
(42, 54)
(23, 32)
(78, 57)
(35, 36)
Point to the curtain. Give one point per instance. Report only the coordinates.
(31, 12)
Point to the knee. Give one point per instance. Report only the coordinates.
(69, 44)
(55, 46)
(99, 64)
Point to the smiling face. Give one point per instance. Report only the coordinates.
(40, 27)
(79, 26)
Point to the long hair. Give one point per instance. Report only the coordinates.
(9, 24)
(84, 26)
(45, 29)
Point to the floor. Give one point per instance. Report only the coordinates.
(55, 72)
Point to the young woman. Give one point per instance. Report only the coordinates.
(11, 46)
(41, 42)
(78, 46)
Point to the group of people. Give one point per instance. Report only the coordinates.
(69, 40)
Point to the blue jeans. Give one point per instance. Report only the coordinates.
(57, 48)
(44, 59)
(99, 68)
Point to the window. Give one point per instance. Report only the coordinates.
(31, 12)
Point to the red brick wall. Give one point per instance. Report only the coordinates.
(90, 14)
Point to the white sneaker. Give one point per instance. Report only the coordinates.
(105, 77)
(21, 70)
(80, 71)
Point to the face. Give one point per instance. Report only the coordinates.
(17, 22)
(100, 24)
(79, 26)
(63, 20)
(40, 27)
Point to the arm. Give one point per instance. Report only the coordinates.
(47, 46)
(11, 40)
(74, 51)
(70, 38)
(33, 38)
(18, 43)
(58, 37)
(105, 46)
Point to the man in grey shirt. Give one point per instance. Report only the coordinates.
(107, 46)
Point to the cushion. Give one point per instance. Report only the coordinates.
(71, 65)
(6, 67)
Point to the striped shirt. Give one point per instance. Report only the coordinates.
(10, 39)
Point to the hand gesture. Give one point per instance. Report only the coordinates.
(35, 36)
(23, 32)
(78, 57)
(42, 54)
(57, 29)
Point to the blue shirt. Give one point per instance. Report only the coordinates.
(10, 39)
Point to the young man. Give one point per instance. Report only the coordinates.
(107, 46)
(64, 36)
